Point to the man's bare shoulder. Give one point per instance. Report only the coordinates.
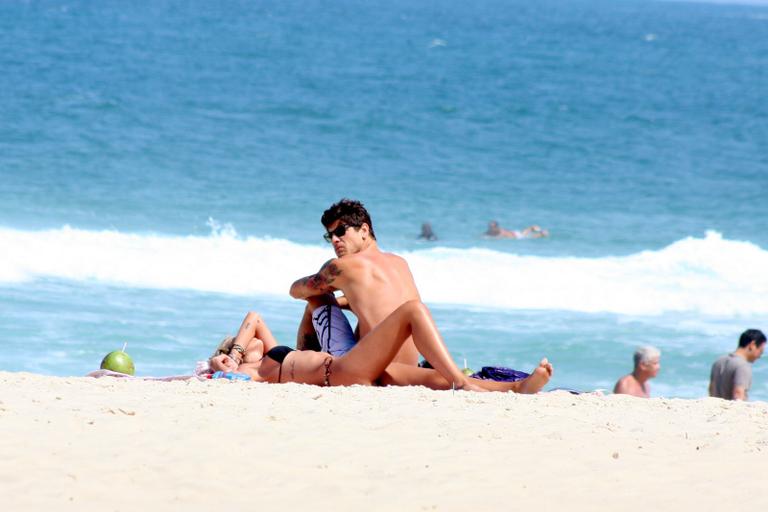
(364, 263)
(626, 385)
(328, 273)
(332, 265)
(351, 265)
(394, 259)
(351, 260)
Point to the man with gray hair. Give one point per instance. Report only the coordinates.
(647, 365)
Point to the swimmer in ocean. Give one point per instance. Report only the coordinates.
(427, 233)
(496, 231)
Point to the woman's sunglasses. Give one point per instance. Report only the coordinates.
(339, 232)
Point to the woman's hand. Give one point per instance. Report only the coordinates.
(224, 363)
(236, 356)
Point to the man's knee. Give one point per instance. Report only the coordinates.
(414, 307)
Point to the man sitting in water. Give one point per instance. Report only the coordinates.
(647, 365)
(731, 375)
(496, 231)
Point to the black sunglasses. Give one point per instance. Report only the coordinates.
(340, 230)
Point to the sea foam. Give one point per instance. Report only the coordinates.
(709, 275)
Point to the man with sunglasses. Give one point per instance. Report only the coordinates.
(374, 284)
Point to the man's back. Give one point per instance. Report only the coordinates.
(629, 385)
(728, 372)
(375, 284)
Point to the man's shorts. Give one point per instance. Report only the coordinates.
(333, 330)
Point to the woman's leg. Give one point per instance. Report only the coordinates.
(398, 374)
(374, 352)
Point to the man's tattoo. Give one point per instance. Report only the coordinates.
(324, 278)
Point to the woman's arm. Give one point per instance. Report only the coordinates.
(253, 340)
(224, 363)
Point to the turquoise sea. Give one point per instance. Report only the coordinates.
(164, 166)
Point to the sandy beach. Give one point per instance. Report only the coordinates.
(81, 443)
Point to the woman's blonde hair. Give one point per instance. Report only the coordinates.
(224, 347)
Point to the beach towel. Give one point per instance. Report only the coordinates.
(202, 371)
(167, 378)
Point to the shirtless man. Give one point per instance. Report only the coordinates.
(647, 365)
(374, 283)
(496, 231)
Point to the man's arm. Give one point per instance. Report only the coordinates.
(323, 281)
(739, 393)
(620, 387)
(742, 378)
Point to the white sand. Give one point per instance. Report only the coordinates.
(111, 444)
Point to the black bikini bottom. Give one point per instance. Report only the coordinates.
(279, 353)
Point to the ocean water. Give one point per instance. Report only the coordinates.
(163, 169)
